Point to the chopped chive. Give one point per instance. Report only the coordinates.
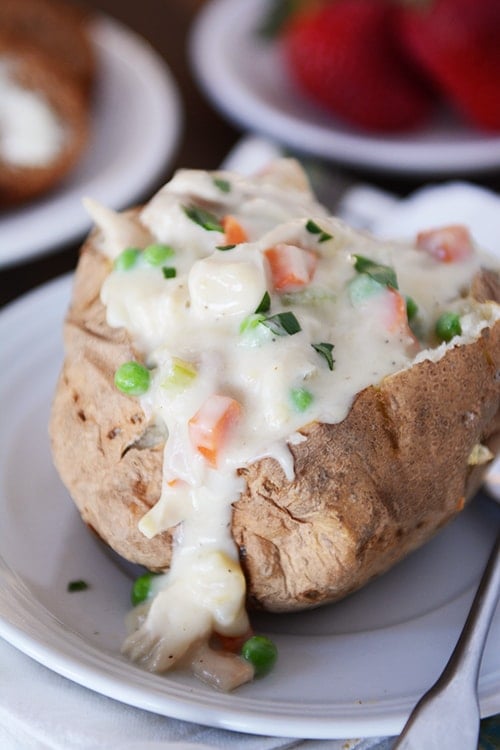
(313, 228)
(127, 259)
(384, 275)
(301, 398)
(223, 185)
(325, 350)
(282, 324)
(264, 305)
(169, 272)
(78, 585)
(203, 218)
(157, 253)
(223, 248)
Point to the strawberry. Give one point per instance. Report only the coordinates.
(344, 56)
(458, 43)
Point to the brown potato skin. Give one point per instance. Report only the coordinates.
(367, 490)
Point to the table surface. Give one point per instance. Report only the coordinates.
(206, 136)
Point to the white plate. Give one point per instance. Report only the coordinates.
(245, 77)
(135, 131)
(354, 669)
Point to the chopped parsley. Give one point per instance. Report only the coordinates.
(78, 585)
(169, 272)
(223, 185)
(223, 248)
(203, 218)
(264, 305)
(313, 228)
(325, 350)
(282, 324)
(384, 275)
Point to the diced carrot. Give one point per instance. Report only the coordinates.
(231, 643)
(233, 230)
(447, 244)
(291, 267)
(210, 426)
(396, 317)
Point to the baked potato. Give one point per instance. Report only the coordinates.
(388, 424)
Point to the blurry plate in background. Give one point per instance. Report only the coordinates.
(245, 77)
(135, 130)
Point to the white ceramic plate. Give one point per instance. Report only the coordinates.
(135, 131)
(245, 77)
(354, 669)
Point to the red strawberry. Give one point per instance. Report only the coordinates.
(345, 57)
(458, 43)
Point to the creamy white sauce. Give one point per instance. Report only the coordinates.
(31, 134)
(199, 321)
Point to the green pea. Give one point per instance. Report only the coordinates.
(142, 589)
(156, 254)
(261, 652)
(132, 378)
(448, 326)
(127, 259)
(301, 398)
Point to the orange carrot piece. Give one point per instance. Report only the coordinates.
(210, 426)
(291, 267)
(233, 230)
(447, 244)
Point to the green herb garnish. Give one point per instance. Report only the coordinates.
(313, 228)
(169, 272)
(264, 305)
(78, 585)
(384, 275)
(223, 185)
(203, 218)
(325, 350)
(282, 324)
(223, 248)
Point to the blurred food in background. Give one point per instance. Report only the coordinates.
(387, 65)
(47, 69)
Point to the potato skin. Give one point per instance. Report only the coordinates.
(367, 490)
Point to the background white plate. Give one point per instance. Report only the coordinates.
(246, 79)
(135, 131)
(352, 669)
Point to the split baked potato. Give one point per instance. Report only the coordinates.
(366, 490)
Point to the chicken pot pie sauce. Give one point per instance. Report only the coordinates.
(248, 341)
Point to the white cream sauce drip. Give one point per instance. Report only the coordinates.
(31, 134)
(197, 318)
